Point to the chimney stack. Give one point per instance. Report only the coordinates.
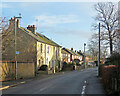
(72, 49)
(32, 28)
(12, 22)
(18, 23)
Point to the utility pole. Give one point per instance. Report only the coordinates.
(15, 44)
(84, 55)
(99, 52)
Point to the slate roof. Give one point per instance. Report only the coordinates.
(72, 52)
(47, 40)
(69, 51)
(40, 37)
(80, 53)
(64, 52)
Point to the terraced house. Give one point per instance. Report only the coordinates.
(65, 55)
(70, 55)
(32, 47)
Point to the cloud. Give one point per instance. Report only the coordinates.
(2, 5)
(50, 21)
(75, 33)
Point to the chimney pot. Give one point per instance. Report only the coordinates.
(72, 49)
(32, 28)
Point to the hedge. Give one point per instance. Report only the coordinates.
(109, 74)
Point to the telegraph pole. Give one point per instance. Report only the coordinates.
(84, 55)
(99, 52)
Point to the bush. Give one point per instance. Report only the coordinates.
(101, 69)
(43, 68)
(110, 73)
(109, 76)
(68, 66)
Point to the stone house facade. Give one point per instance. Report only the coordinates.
(32, 47)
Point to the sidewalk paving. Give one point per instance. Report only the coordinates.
(95, 86)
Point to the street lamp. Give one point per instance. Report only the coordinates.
(84, 55)
(16, 18)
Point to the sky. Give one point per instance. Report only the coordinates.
(66, 23)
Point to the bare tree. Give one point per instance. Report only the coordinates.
(3, 24)
(93, 49)
(107, 15)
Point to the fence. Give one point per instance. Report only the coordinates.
(24, 70)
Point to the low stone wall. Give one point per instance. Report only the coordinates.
(50, 71)
(24, 70)
(78, 67)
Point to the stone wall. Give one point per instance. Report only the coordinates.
(24, 70)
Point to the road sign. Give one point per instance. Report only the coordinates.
(17, 52)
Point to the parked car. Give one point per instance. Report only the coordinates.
(91, 64)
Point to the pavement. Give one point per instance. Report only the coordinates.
(72, 82)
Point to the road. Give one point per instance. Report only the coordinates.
(74, 82)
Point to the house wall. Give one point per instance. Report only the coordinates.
(50, 57)
(68, 57)
(41, 54)
(25, 44)
(65, 57)
(24, 70)
(53, 57)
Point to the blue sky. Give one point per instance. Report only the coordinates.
(67, 23)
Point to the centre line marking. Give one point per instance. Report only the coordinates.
(84, 88)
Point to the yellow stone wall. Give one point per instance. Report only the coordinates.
(25, 44)
(48, 57)
(24, 70)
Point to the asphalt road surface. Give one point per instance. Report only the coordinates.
(74, 82)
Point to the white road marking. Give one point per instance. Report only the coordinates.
(84, 88)
(43, 88)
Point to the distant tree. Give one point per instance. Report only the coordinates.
(3, 24)
(107, 15)
(3, 27)
(93, 49)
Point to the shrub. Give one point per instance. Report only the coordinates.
(68, 66)
(110, 73)
(43, 68)
(109, 76)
